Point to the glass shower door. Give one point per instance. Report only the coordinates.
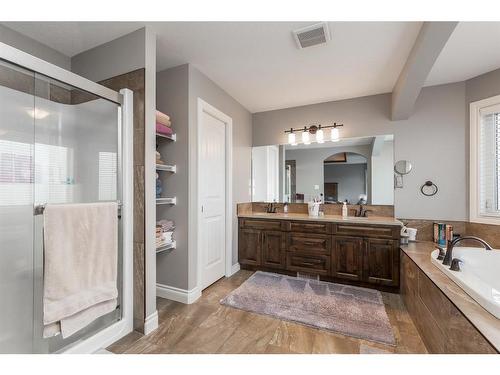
(75, 161)
(16, 208)
(58, 145)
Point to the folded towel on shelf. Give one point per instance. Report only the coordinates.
(166, 225)
(162, 129)
(162, 118)
(80, 265)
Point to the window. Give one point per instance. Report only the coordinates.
(107, 176)
(485, 161)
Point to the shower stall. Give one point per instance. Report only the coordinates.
(63, 139)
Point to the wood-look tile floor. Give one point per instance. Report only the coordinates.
(208, 327)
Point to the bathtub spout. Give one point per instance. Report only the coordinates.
(451, 244)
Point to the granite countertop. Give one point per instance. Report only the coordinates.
(380, 220)
(486, 323)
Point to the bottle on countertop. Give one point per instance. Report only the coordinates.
(285, 207)
(344, 210)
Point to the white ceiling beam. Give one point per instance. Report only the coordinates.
(429, 43)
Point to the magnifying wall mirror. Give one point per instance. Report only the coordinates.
(401, 168)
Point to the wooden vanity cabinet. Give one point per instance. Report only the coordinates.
(249, 246)
(355, 253)
(381, 262)
(348, 258)
(273, 249)
(260, 244)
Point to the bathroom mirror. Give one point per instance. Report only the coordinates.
(353, 170)
(402, 167)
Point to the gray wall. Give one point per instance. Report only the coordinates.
(119, 56)
(178, 90)
(433, 139)
(351, 179)
(33, 47)
(172, 98)
(200, 86)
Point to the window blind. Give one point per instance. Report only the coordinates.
(489, 163)
(107, 176)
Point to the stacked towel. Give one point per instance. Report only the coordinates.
(158, 158)
(162, 118)
(159, 187)
(163, 129)
(164, 232)
(163, 125)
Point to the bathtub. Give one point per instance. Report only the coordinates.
(479, 275)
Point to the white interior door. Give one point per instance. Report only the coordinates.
(212, 193)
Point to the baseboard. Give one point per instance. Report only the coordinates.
(235, 268)
(151, 323)
(177, 294)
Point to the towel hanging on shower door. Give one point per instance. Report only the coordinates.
(80, 265)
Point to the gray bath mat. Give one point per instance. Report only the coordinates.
(349, 310)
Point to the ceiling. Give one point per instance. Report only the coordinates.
(471, 50)
(259, 64)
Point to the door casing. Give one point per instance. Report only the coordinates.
(202, 107)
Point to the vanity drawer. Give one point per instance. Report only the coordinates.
(309, 227)
(260, 224)
(316, 264)
(320, 244)
(367, 230)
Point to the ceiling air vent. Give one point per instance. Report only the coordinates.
(311, 35)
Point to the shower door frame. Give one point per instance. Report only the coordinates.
(124, 99)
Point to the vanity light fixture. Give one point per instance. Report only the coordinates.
(305, 136)
(291, 138)
(335, 133)
(317, 131)
(320, 137)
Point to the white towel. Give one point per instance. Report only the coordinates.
(80, 265)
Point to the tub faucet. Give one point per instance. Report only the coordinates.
(451, 244)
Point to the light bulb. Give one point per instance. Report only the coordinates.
(291, 139)
(305, 137)
(335, 135)
(320, 136)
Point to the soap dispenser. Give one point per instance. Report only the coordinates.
(344, 209)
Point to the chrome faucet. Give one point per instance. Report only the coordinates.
(447, 261)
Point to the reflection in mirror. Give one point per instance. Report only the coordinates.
(353, 170)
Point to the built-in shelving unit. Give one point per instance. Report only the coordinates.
(166, 168)
(166, 247)
(172, 201)
(162, 141)
(172, 137)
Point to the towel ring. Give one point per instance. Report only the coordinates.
(424, 189)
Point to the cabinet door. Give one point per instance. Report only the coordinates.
(273, 249)
(347, 258)
(381, 262)
(249, 246)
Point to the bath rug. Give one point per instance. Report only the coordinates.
(349, 310)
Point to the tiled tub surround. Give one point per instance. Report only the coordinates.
(447, 318)
(488, 232)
